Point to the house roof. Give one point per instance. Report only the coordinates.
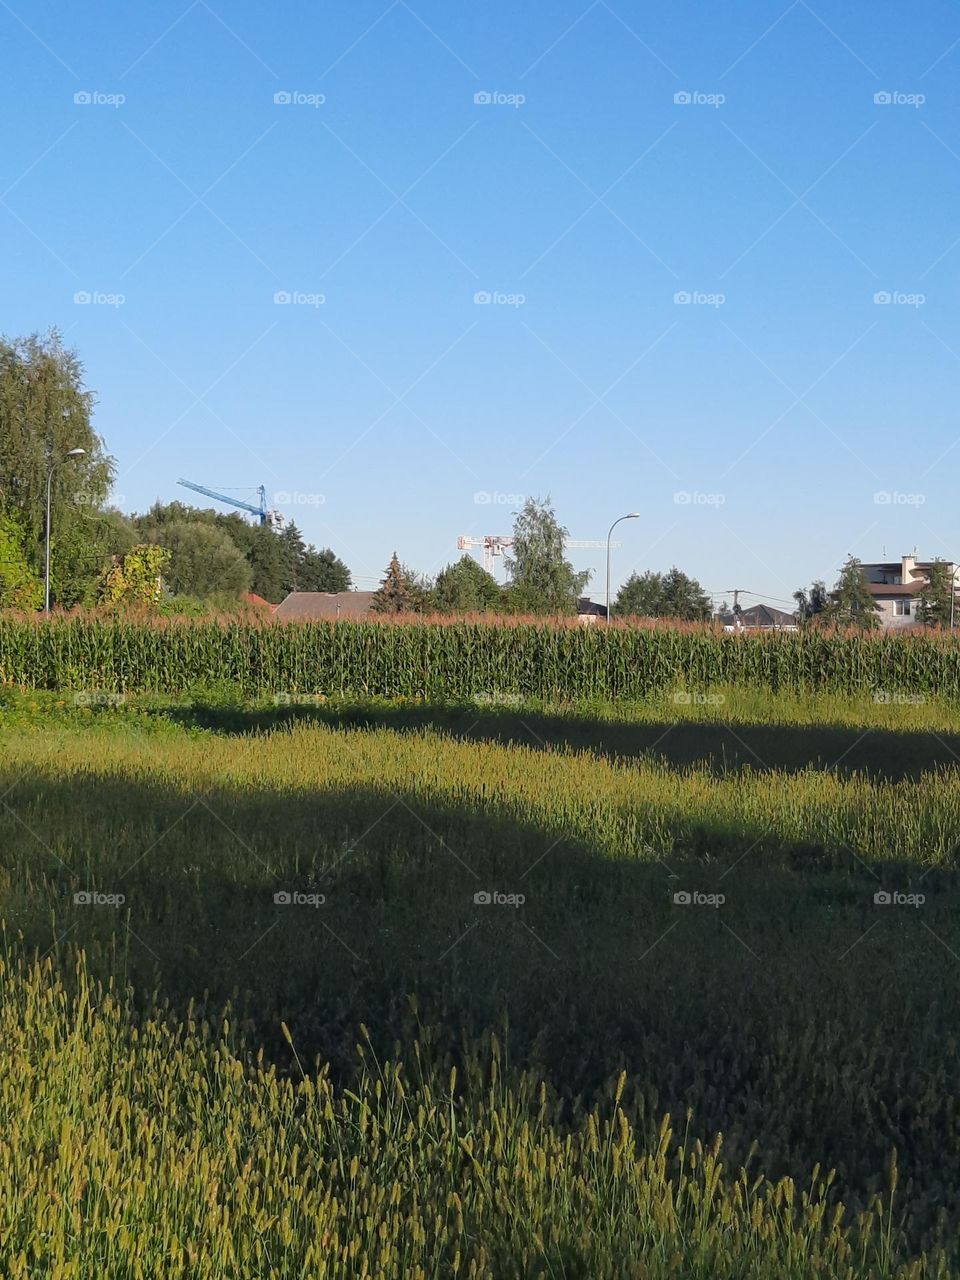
(765, 615)
(590, 608)
(896, 588)
(252, 598)
(319, 606)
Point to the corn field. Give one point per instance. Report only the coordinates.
(461, 660)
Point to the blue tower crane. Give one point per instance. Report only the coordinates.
(272, 518)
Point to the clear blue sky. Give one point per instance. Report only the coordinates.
(783, 187)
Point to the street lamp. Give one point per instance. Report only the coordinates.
(71, 453)
(631, 515)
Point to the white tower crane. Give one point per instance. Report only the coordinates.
(494, 544)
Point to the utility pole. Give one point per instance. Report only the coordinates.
(735, 592)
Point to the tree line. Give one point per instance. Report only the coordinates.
(177, 557)
(181, 559)
(541, 581)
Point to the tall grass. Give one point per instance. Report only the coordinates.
(798, 1014)
(134, 1148)
(463, 659)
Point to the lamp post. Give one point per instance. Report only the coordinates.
(71, 453)
(631, 515)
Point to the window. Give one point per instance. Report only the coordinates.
(901, 608)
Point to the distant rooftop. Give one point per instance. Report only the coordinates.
(324, 606)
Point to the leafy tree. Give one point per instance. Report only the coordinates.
(641, 596)
(399, 592)
(813, 603)
(81, 552)
(135, 578)
(182, 607)
(271, 566)
(322, 571)
(203, 561)
(465, 587)
(936, 596)
(20, 584)
(45, 411)
(542, 580)
(279, 562)
(851, 604)
(663, 595)
(150, 523)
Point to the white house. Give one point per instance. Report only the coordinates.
(895, 586)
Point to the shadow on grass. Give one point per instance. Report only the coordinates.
(880, 753)
(794, 1012)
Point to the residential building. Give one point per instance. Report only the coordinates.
(759, 617)
(895, 586)
(589, 612)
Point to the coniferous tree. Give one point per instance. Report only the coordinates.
(936, 596)
(399, 592)
(851, 604)
(322, 571)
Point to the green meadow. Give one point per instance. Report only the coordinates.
(316, 986)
